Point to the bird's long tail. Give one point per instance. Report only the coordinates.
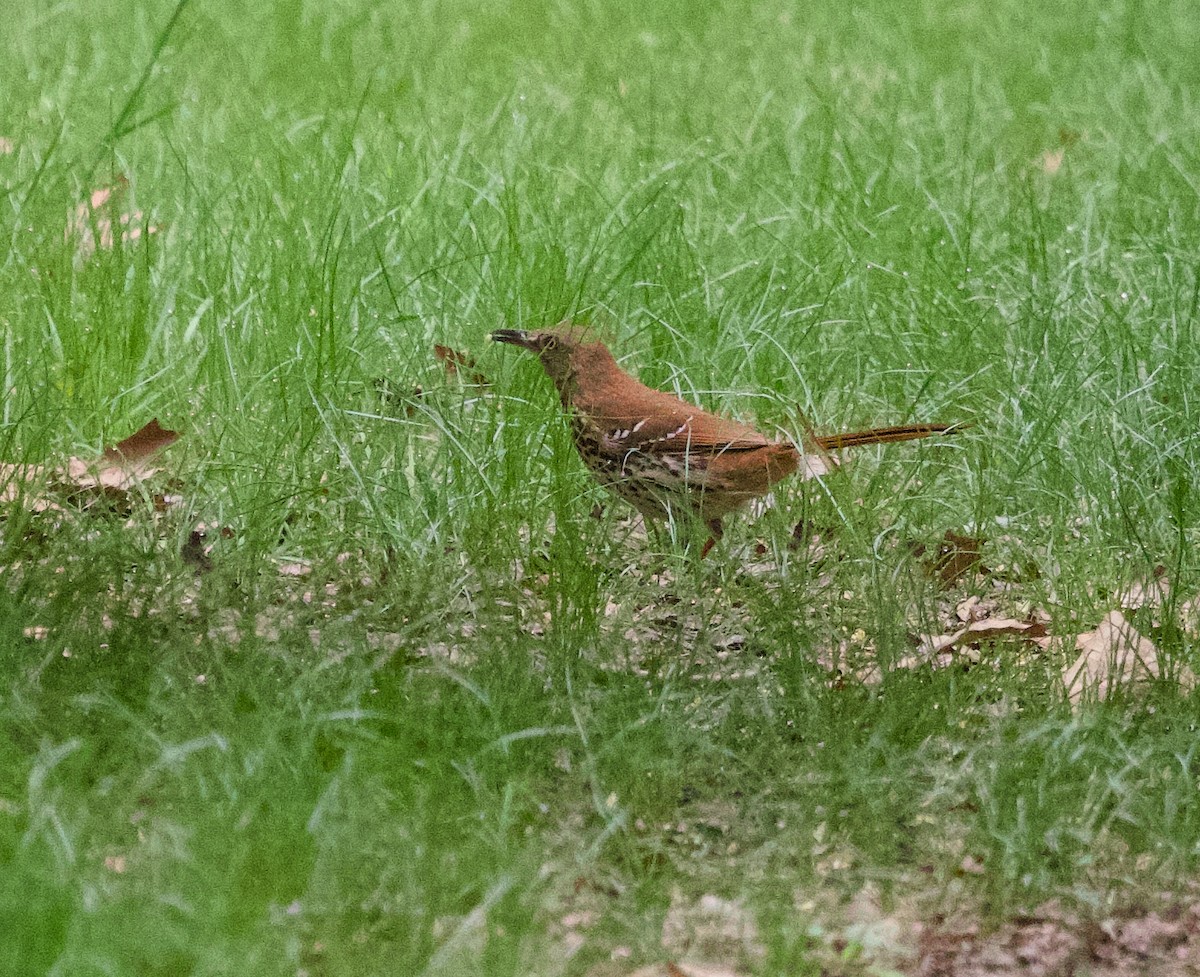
(882, 435)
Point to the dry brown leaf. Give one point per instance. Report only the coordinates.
(816, 463)
(974, 608)
(6, 146)
(19, 482)
(112, 476)
(977, 632)
(98, 220)
(460, 365)
(685, 968)
(816, 466)
(1145, 593)
(142, 445)
(955, 557)
(294, 569)
(1051, 161)
(125, 463)
(1113, 655)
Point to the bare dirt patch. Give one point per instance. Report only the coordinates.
(1053, 942)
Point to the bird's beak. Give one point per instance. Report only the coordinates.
(515, 337)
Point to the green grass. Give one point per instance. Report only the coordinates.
(484, 709)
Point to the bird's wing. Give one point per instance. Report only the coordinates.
(665, 424)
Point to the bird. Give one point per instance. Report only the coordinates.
(668, 458)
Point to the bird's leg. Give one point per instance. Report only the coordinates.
(716, 531)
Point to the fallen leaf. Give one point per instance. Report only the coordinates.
(1115, 655)
(294, 569)
(98, 220)
(1145, 593)
(955, 557)
(84, 481)
(685, 968)
(974, 609)
(6, 146)
(1051, 161)
(143, 444)
(125, 463)
(977, 632)
(815, 465)
(460, 365)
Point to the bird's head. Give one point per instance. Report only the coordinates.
(564, 349)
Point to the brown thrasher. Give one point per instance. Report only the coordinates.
(662, 455)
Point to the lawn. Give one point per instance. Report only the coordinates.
(370, 678)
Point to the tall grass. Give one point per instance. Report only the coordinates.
(482, 706)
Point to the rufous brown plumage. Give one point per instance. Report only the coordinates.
(664, 456)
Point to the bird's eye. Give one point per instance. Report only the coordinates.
(549, 344)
